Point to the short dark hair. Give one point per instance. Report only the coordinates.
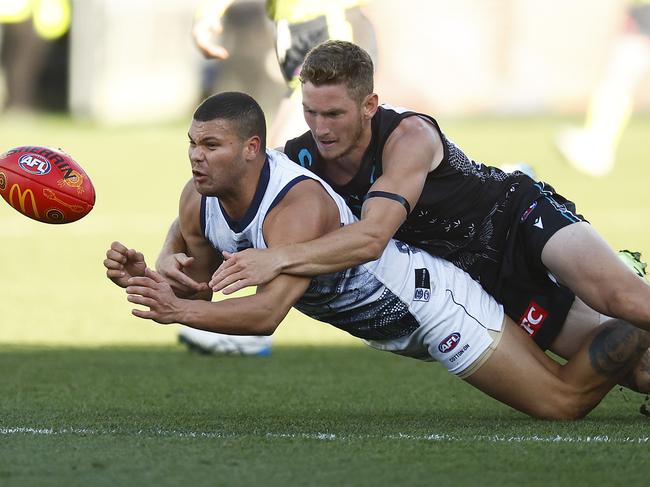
(333, 62)
(239, 108)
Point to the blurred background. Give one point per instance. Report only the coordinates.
(114, 83)
(120, 61)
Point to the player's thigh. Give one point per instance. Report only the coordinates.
(581, 259)
(520, 375)
(579, 323)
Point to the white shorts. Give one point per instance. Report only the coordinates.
(460, 324)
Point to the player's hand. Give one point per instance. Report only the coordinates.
(123, 263)
(153, 292)
(172, 269)
(205, 33)
(250, 267)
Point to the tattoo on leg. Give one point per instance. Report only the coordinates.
(644, 365)
(617, 347)
(639, 377)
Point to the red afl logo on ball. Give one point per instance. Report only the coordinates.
(34, 164)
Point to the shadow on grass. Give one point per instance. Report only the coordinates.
(345, 390)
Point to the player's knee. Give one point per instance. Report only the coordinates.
(642, 381)
(567, 405)
(639, 378)
(624, 302)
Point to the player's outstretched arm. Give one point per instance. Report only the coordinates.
(172, 261)
(261, 313)
(187, 259)
(413, 150)
(123, 263)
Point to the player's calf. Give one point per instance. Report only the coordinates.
(522, 376)
(613, 352)
(617, 347)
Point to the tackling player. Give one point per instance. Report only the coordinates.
(526, 245)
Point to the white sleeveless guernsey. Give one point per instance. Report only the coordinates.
(406, 302)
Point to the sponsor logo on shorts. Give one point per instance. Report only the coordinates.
(528, 211)
(422, 285)
(457, 355)
(449, 343)
(34, 164)
(533, 318)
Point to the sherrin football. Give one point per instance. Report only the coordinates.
(45, 184)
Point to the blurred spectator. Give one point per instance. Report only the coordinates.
(31, 32)
(592, 148)
(300, 25)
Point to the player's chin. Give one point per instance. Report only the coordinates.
(330, 151)
(203, 185)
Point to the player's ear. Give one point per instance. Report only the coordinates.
(370, 104)
(252, 147)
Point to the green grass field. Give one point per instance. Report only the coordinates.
(94, 396)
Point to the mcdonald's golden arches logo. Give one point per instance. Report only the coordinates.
(22, 197)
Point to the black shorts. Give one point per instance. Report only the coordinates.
(641, 17)
(303, 36)
(529, 294)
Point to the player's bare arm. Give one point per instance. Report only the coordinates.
(259, 314)
(173, 259)
(413, 150)
(186, 259)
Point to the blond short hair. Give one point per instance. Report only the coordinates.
(335, 62)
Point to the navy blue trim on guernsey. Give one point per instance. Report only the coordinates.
(202, 215)
(286, 189)
(390, 196)
(239, 226)
(281, 194)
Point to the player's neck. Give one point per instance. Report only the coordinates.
(239, 199)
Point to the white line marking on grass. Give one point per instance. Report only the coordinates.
(320, 436)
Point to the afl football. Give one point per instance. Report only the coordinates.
(45, 184)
